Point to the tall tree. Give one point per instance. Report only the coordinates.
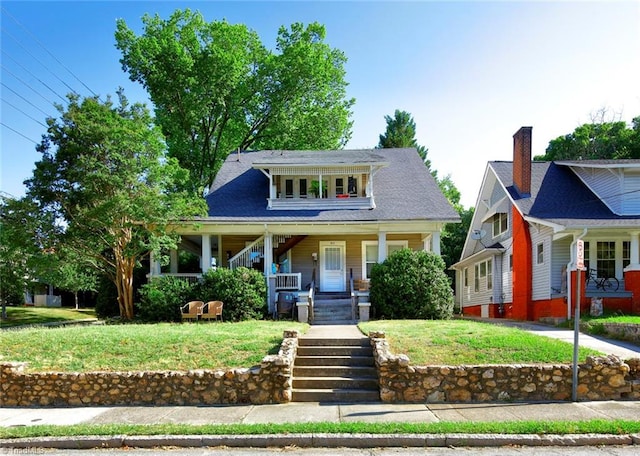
(401, 132)
(596, 141)
(105, 179)
(217, 88)
(19, 245)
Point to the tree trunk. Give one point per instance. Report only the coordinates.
(76, 296)
(124, 279)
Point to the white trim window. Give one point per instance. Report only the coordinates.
(370, 254)
(500, 223)
(483, 275)
(540, 253)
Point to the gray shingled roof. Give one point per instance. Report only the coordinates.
(404, 190)
(560, 197)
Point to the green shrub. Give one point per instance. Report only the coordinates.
(107, 299)
(411, 285)
(243, 291)
(162, 297)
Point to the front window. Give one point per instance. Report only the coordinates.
(466, 277)
(500, 224)
(476, 278)
(626, 254)
(288, 188)
(489, 274)
(540, 253)
(606, 259)
(339, 186)
(303, 188)
(370, 254)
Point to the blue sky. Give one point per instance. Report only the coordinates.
(470, 73)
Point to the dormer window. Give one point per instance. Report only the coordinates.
(303, 180)
(500, 224)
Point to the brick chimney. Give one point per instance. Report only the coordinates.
(522, 161)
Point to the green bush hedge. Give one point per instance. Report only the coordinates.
(162, 297)
(243, 291)
(411, 285)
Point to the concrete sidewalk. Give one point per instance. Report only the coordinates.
(308, 412)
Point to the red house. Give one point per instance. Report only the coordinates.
(519, 258)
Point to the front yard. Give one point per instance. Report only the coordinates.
(131, 347)
(166, 346)
(453, 342)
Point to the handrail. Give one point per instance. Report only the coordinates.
(244, 257)
(354, 296)
(310, 299)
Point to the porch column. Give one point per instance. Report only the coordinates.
(382, 246)
(435, 242)
(206, 253)
(269, 277)
(154, 265)
(634, 252)
(173, 261)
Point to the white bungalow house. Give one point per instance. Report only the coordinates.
(519, 259)
(315, 216)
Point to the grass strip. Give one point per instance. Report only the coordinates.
(615, 427)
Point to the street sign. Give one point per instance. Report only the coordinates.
(580, 254)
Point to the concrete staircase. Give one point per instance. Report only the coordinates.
(339, 369)
(332, 311)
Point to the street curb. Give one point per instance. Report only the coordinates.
(322, 440)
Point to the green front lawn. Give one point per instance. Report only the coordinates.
(453, 342)
(131, 347)
(17, 316)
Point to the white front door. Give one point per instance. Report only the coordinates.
(332, 266)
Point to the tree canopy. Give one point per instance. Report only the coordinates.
(401, 132)
(216, 88)
(596, 141)
(106, 182)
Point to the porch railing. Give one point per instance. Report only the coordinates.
(310, 298)
(289, 281)
(249, 255)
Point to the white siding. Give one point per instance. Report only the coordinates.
(560, 256)
(631, 194)
(604, 183)
(507, 278)
(541, 272)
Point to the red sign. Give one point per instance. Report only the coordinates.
(580, 254)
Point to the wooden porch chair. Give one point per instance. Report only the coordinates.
(191, 310)
(212, 310)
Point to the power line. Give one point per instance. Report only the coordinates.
(28, 85)
(17, 132)
(48, 52)
(28, 115)
(17, 94)
(39, 80)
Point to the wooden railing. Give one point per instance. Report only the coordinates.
(354, 296)
(191, 277)
(310, 298)
(249, 255)
(289, 281)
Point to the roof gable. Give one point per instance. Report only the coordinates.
(405, 190)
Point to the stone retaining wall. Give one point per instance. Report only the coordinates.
(268, 383)
(600, 378)
(624, 331)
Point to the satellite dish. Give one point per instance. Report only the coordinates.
(476, 235)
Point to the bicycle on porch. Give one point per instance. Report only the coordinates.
(603, 282)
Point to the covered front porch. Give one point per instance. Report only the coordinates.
(293, 257)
